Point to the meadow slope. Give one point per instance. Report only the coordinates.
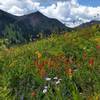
(65, 67)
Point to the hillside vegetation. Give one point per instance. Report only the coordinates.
(64, 67)
(22, 29)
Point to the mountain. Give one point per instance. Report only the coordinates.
(88, 29)
(18, 29)
(5, 19)
(92, 26)
(29, 26)
(89, 24)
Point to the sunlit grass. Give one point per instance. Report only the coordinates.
(72, 59)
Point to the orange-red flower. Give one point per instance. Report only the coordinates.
(91, 61)
(66, 61)
(41, 65)
(45, 62)
(69, 72)
(36, 63)
(33, 93)
(84, 55)
(98, 47)
(42, 72)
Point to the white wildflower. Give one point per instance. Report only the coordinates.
(46, 87)
(84, 48)
(55, 78)
(80, 93)
(60, 79)
(75, 70)
(45, 90)
(57, 82)
(48, 79)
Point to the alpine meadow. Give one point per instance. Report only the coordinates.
(42, 58)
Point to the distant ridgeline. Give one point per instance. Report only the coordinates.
(18, 29)
(22, 29)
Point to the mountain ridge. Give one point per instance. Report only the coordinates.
(32, 26)
(92, 22)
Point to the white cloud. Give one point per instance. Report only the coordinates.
(19, 7)
(16, 11)
(71, 13)
(67, 11)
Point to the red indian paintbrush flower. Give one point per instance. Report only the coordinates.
(42, 72)
(91, 61)
(84, 55)
(33, 93)
(69, 72)
(98, 47)
(41, 65)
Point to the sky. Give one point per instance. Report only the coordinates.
(70, 12)
(93, 3)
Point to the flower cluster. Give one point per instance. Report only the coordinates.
(69, 72)
(51, 81)
(90, 60)
(33, 93)
(98, 47)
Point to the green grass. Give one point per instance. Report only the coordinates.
(71, 57)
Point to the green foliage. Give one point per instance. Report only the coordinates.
(13, 34)
(20, 82)
(23, 71)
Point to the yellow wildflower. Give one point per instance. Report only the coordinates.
(38, 54)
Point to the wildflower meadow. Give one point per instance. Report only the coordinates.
(65, 67)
